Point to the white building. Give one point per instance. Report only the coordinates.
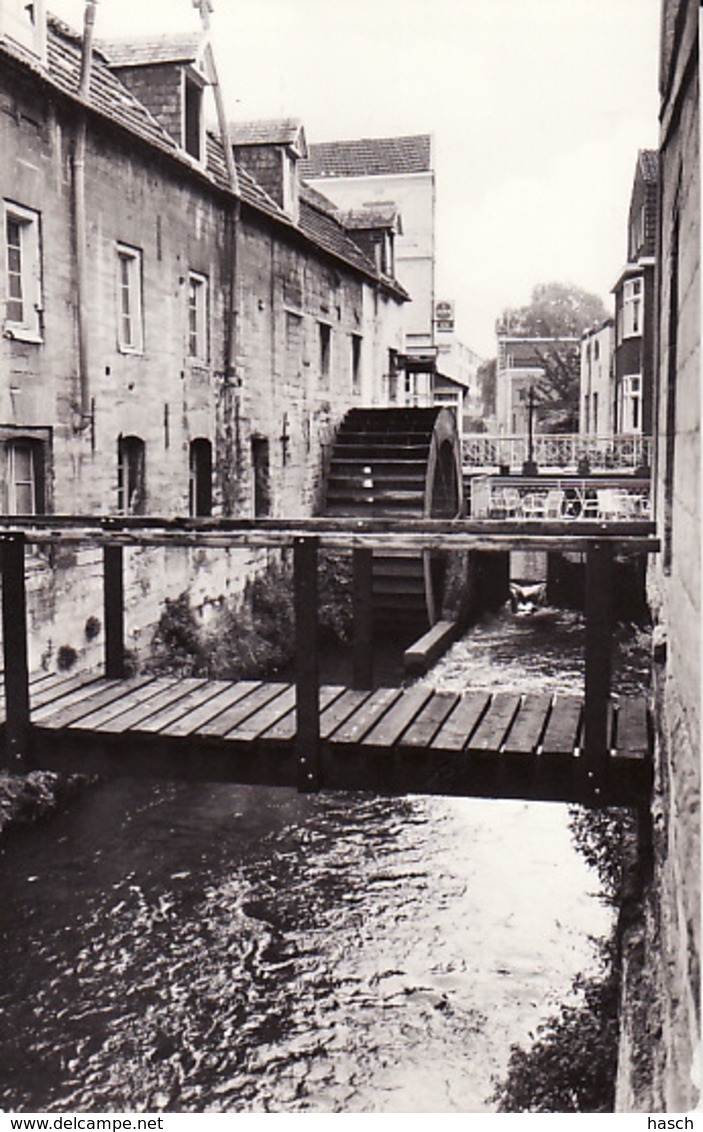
(597, 393)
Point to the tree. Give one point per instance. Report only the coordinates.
(557, 311)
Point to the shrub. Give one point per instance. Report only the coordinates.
(176, 644)
(572, 1064)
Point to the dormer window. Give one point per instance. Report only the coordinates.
(290, 183)
(25, 22)
(193, 132)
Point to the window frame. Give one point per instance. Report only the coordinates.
(130, 447)
(631, 403)
(28, 328)
(193, 96)
(633, 307)
(200, 477)
(261, 476)
(357, 351)
(200, 333)
(37, 474)
(324, 339)
(132, 286)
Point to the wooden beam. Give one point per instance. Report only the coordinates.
(362, 590)
(599, 627)
(307, 694)
(14, 641)
(113, 597)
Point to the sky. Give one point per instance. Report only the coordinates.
(537, 109)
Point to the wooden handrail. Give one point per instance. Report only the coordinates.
(306, 538)
(625, 537)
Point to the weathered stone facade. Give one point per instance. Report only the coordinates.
(223, 339)
(660, 1053)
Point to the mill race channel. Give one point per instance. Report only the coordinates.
(209, 948)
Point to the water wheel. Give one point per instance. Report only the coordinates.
(402, 464)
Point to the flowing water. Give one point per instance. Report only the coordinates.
(212, 948)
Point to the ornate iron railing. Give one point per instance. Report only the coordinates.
(558, 450)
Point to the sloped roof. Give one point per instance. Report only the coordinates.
(108, 95)
(372, 216)
(268, 131)
(369, 157)
(315, 197)
(111, 100)
(649, 165)
(143, 52)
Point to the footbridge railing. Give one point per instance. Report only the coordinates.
(624, 452)
(598, 542)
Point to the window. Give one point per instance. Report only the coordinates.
(392, 376)
(290, 183)
(595, 413)
(197, 317)
(130, 337)
(262, 482)
(25, 477)
(131, 480)
(356, 341)
(294, 345)
(193, 118)
(632, 308)
(22, 273)
(631, 415)
(325, 350)
(200, 477)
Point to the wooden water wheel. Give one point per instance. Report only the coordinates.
(404, 464)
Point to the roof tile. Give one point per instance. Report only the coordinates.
(369, 157)
(111, 99)
(144, 52)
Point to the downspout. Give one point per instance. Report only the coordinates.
(85, 407)
(231, 405)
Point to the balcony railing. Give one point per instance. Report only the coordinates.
(567, 451)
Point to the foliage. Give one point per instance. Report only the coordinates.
(572, 1063)
(176, 644)
(556, 310)
(571, 1066)
(66, 657)
(335, 597)
(486, 378)
(254, 637)
(602, 837)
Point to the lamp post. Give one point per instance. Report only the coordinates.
(529, 468)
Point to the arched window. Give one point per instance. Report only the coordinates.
(200, 495)
(131, 476)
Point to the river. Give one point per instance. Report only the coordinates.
(212, 948)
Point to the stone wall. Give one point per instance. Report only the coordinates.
(280, 400)
(660, 1049)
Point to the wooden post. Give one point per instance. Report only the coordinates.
(307, 692)
(599, 626)
(113, 586)
(14, 640)
(362, 589)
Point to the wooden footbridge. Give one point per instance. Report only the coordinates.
(592, 749)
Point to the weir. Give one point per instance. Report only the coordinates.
(593, 749)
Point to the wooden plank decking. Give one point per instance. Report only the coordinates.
(391, 740)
